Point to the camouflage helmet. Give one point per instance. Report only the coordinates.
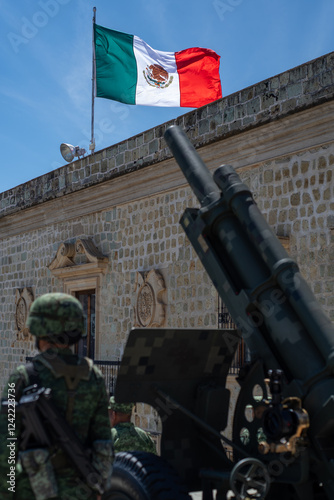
(120, 407)
(57, 317)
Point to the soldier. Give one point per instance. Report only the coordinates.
(79, 394)
(125, 436)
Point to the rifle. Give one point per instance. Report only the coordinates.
(37, 410)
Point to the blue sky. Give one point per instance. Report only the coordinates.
(46, 61)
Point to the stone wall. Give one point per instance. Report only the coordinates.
(296, 194)
(127, 200)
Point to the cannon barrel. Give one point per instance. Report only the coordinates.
(194, 169)
(269, 300)
(284, 270)
(258, 274)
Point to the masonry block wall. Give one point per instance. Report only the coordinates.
(128, 199)
(296, 194)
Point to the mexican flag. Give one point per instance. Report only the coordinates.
(128, 70)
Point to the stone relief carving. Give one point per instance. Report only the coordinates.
(67, 252)
(151, 299)
(24, 297)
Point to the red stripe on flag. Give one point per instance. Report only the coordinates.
(198, 71)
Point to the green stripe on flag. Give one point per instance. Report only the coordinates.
(116, 68)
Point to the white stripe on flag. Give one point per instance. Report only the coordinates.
(150, 94)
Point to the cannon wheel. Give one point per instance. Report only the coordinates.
(250, 479)
(144, 476)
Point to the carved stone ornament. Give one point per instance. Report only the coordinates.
(151, 300)
(67, 254)
(24, 297)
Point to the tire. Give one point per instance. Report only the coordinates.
(144, 476)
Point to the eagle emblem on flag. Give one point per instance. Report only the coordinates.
(157, 76)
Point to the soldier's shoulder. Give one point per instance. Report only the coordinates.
(20, 374)
(93, 370)
(145, 435)
(17, 380)
(121, 429)
(141, 432)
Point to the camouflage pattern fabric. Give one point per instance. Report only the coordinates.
(56, 315)
(120, 407)
(90, 422)
(101, 453)
(127, 437)
(37, 464)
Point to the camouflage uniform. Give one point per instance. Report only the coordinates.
(127, 437)
(79, 393)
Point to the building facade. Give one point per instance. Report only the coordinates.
(106, 227)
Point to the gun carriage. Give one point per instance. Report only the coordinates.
(283, 422)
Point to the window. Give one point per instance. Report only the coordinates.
(86, 346)
(80, 266)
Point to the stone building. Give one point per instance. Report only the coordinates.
(106, 227)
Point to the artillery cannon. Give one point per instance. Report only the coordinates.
(288, 449)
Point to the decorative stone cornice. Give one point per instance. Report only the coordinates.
(64, 256)
(64, 264)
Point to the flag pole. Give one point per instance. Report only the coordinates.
(92, 141)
